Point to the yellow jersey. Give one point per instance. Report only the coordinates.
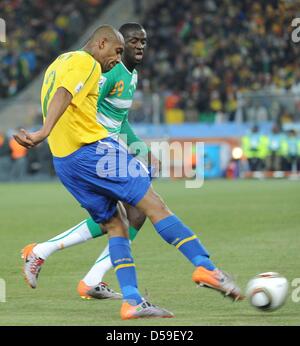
(79, 73)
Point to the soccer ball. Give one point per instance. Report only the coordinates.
(267, 291)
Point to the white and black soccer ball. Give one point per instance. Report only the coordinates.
(267, 291)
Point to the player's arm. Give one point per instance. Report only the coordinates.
(129, 136)
(59, 103)
(135, 142)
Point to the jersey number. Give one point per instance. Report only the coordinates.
(118, 88)
(51, 77)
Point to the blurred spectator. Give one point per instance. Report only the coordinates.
(40, 161)
(5, 157)
(19, 160)
(292, 152)
(257, 113)
(18, 163)
(138, 7)
(231, 106)
(255, 148)
(275, 150)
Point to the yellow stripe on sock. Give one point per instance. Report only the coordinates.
(124, 266)
(185, 241)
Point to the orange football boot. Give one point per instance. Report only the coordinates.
(218, 280)
(99, 291)
(32, 265)
(143, 310)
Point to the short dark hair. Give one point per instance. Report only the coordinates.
(126, 28)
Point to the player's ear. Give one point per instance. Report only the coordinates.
(102, 42)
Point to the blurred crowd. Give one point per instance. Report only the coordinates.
(19, 164)
(277, 151)
(37, 31)
(203, 54)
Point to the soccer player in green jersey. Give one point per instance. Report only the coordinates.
(117, 89)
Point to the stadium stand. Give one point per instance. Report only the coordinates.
(225, 65)
(38, 31)
(226, 48)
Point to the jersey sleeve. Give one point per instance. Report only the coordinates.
(80, 76)
(127, 130)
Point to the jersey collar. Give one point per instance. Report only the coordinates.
(126, 68)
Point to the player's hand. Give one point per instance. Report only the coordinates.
(154, 162)
(29, 140)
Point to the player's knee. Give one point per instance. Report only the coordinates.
(135, 217)
(155, 205)
(117, 226)
(158, 201)
(104, 229)
(160, 208)
(138, 221)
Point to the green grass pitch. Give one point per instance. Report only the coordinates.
(248, 227)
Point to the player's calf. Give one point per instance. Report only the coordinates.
(176, 233)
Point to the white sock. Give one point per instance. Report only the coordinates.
(75, 235)
(99, 269)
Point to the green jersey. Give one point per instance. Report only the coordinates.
(116, 90)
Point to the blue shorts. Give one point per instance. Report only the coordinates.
(100, 174)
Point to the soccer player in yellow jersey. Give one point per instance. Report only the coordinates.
(99, 172)
(70, 88)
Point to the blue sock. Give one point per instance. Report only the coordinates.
(174, 232)
(123, 263)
